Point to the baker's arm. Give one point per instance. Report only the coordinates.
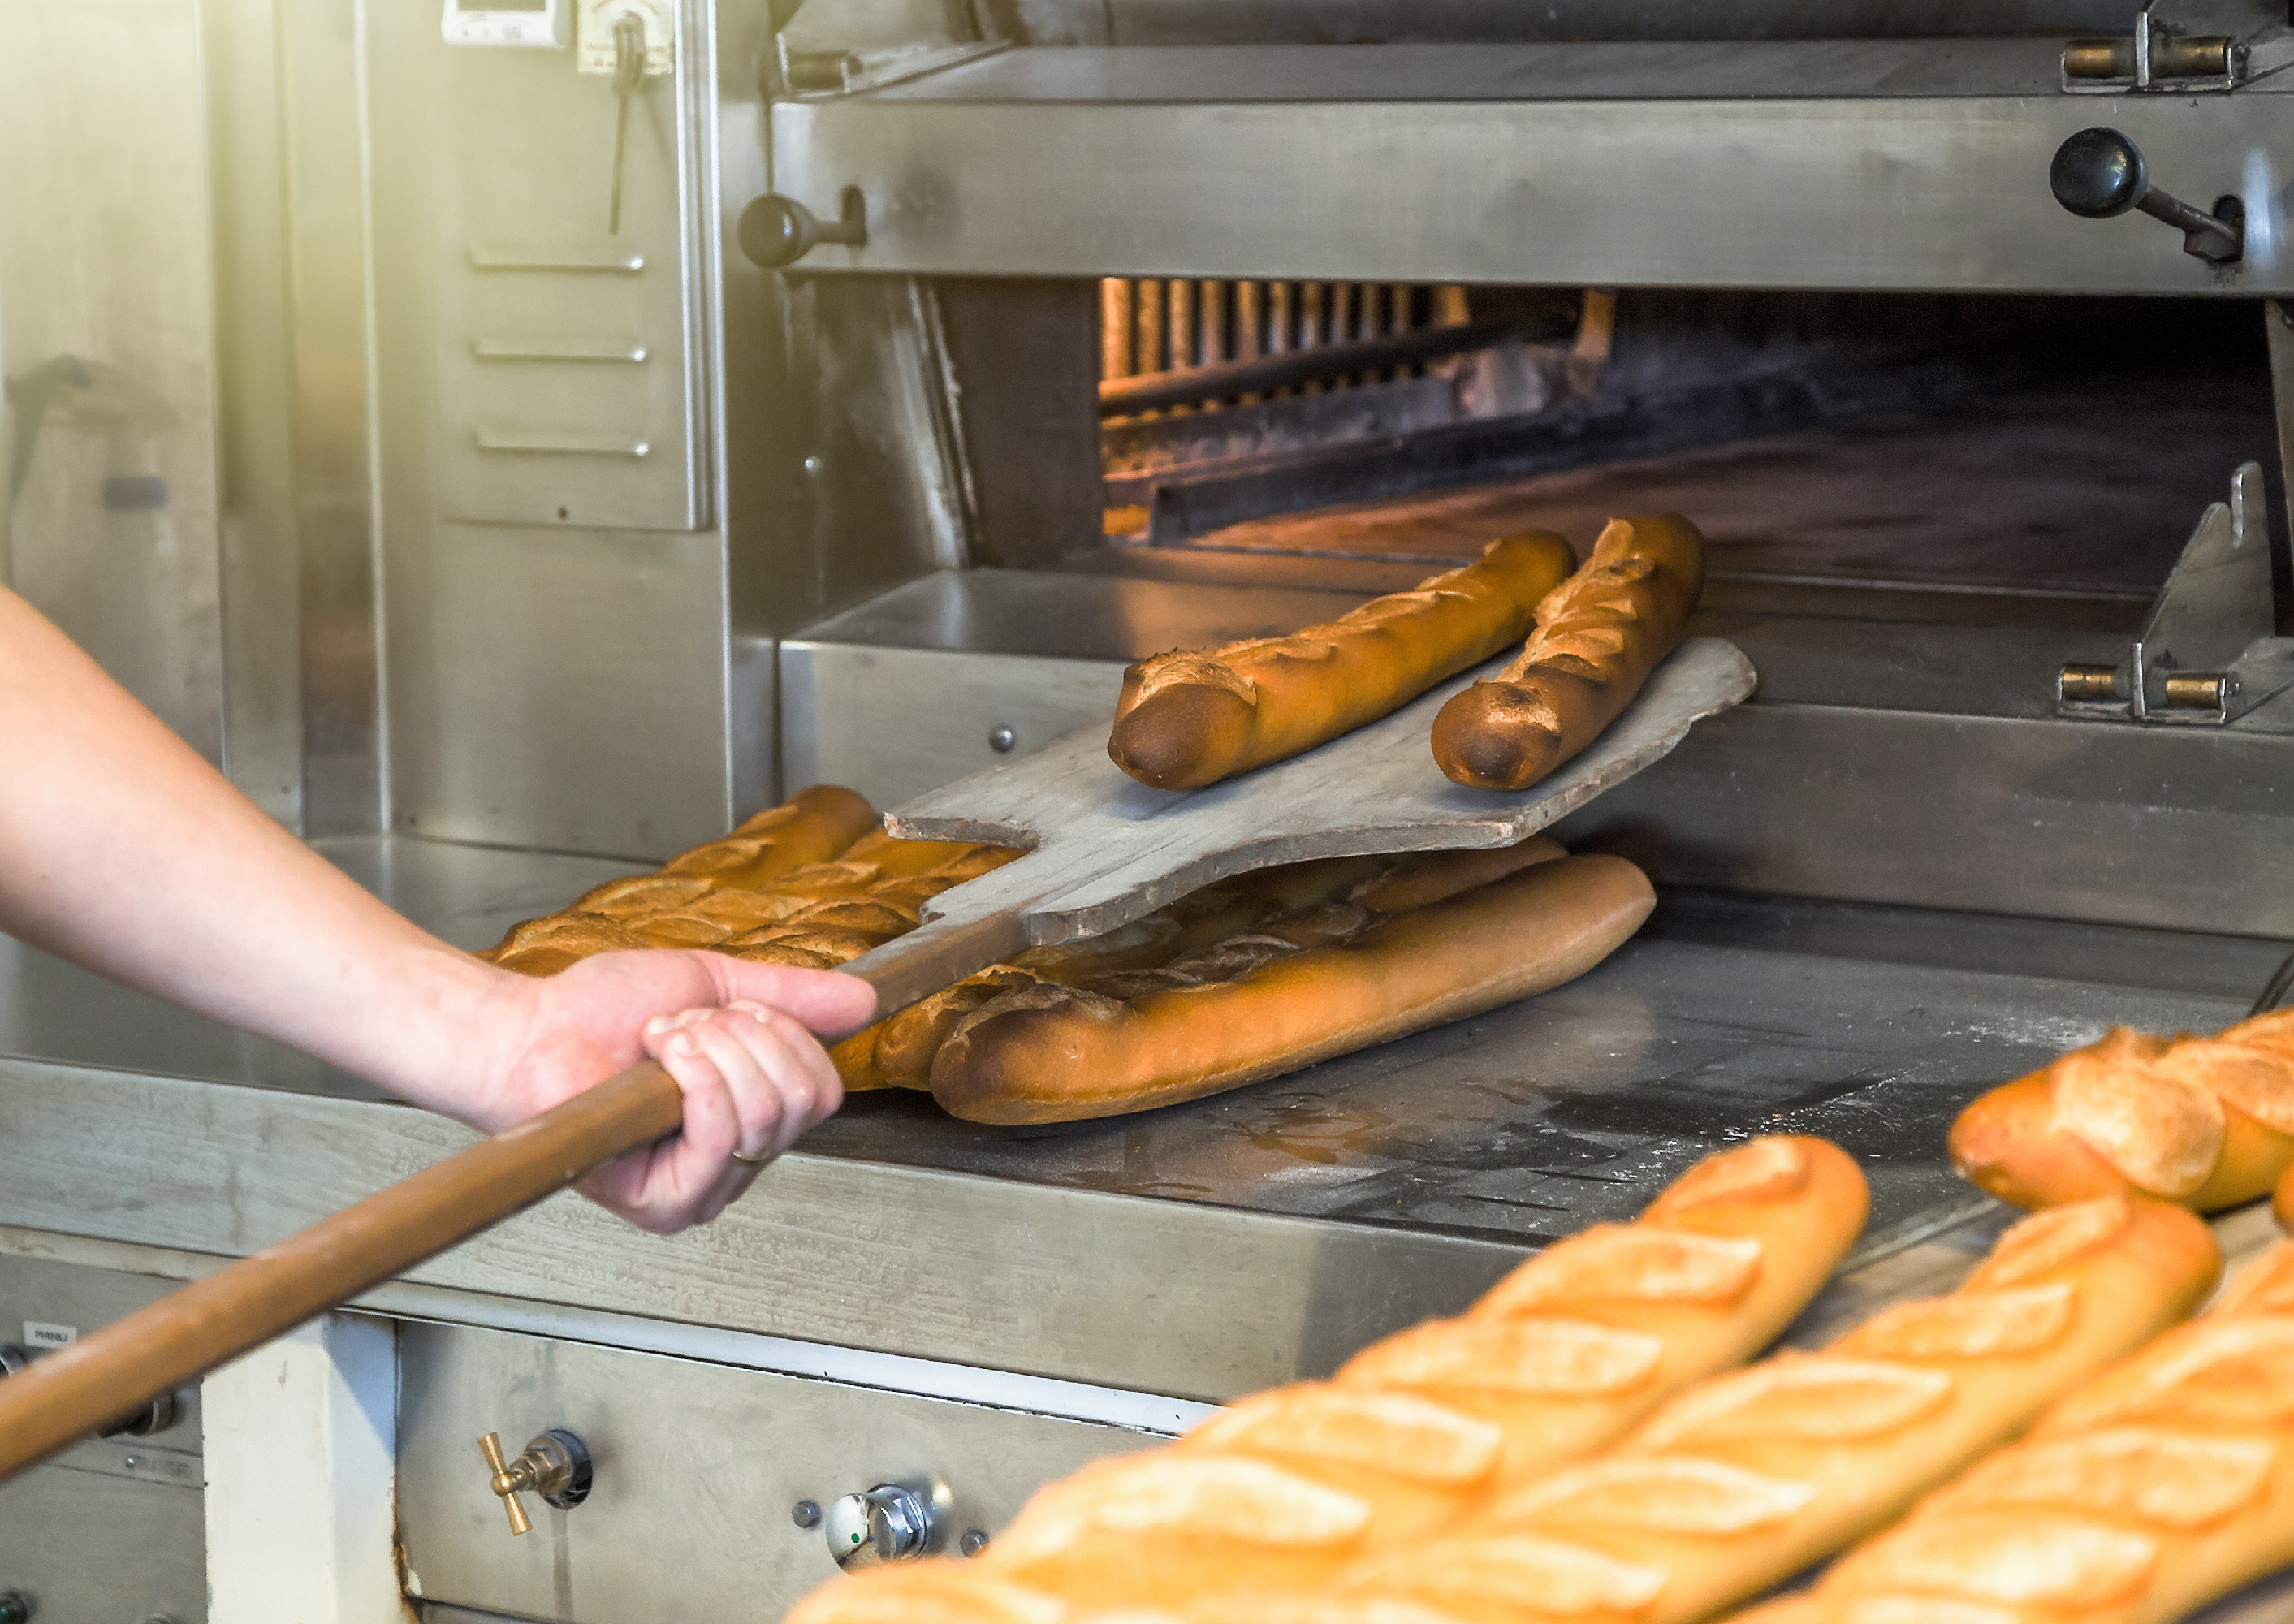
(122, 850)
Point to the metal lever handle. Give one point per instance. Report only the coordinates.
(776, 232)
(889, 1523)
(555, 1465)
(2099, 174)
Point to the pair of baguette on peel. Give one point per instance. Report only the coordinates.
(1748, 1478)
(2148, 1492)
(1286, 1491)
(2207, 1122)
(1300, 986)
(1186, 719)
(1598, 637)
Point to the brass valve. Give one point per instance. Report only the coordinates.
(555, 1465)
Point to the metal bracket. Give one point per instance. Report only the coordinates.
(2205, 656)
(2159, 58)
(836, 47)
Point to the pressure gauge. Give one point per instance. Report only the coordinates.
(547, 23)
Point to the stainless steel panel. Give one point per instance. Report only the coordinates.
(109, 347)
(2066, 820)
(504, 160)
(1038, 1278)
(561, 684)
(893, 723)
(110, 1529)
(1843, 165)
(565, 689)
(697, 1469)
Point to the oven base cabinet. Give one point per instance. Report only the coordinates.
(697, 1468)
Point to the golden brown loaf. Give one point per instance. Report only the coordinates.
(1747, 1478)
(1186, 719)
(2207, 1122)
(2156, 1487)
(1311, 985)
(1200, 920)
(1599, 636)
(1283, 1490)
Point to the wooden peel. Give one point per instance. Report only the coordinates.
(1105, 851)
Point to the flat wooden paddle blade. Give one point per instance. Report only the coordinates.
(66, 1395)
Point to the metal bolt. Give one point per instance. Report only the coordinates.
(973, 1542)
(131, 1461)
(812, 466)
(805, 1514)
(1000, 739)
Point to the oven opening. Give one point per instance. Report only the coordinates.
(2008, 459)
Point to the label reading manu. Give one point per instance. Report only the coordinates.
(40, 1333)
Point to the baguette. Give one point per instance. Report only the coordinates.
(1271, 1002)
(2204, 1122)
(1564, 1353)
(1598, 637)
(1748, 1478)
(913, 1038)
(2155, 1488)
(1185, 719)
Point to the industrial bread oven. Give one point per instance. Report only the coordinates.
(639, 425)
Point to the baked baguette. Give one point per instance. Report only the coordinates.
(1750, 1477)
(1185, 719)
(2205, 1122)
(2155, 1488)
(1564, 1355)
(1599, 636)
(913, 1038)
(1054, 1053)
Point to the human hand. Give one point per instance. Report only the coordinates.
(737, 1037)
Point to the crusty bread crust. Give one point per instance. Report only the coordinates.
(2153, 1489)
(1284, 1490)
(1749, 1477)
(1598, 637)
(1054, 1053)
(1185, 719)
(2204, 1122)
(1390, 884)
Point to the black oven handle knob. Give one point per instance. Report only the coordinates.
(2099, 174)
(776, 232)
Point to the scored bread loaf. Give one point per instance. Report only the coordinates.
(1185, 719)
(1564, 1353)
(1599, 636)
(1748, 1478)
(1391, 884)
(2206, 1122)
(2151, 1490)
(1318, 983)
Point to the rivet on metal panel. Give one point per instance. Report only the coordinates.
(1000, 739)
(974, 1541)
(805, 1514)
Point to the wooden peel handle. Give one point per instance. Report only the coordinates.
(69, 1393)
(910, 969)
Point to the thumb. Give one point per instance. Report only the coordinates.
(829, 1003)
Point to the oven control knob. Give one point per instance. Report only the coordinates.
(890, 1523)
(13, 1357)
(776, 232)
(555, 1465)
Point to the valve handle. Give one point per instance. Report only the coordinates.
(776, 232)
(507, 1481)
(2098, 174)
